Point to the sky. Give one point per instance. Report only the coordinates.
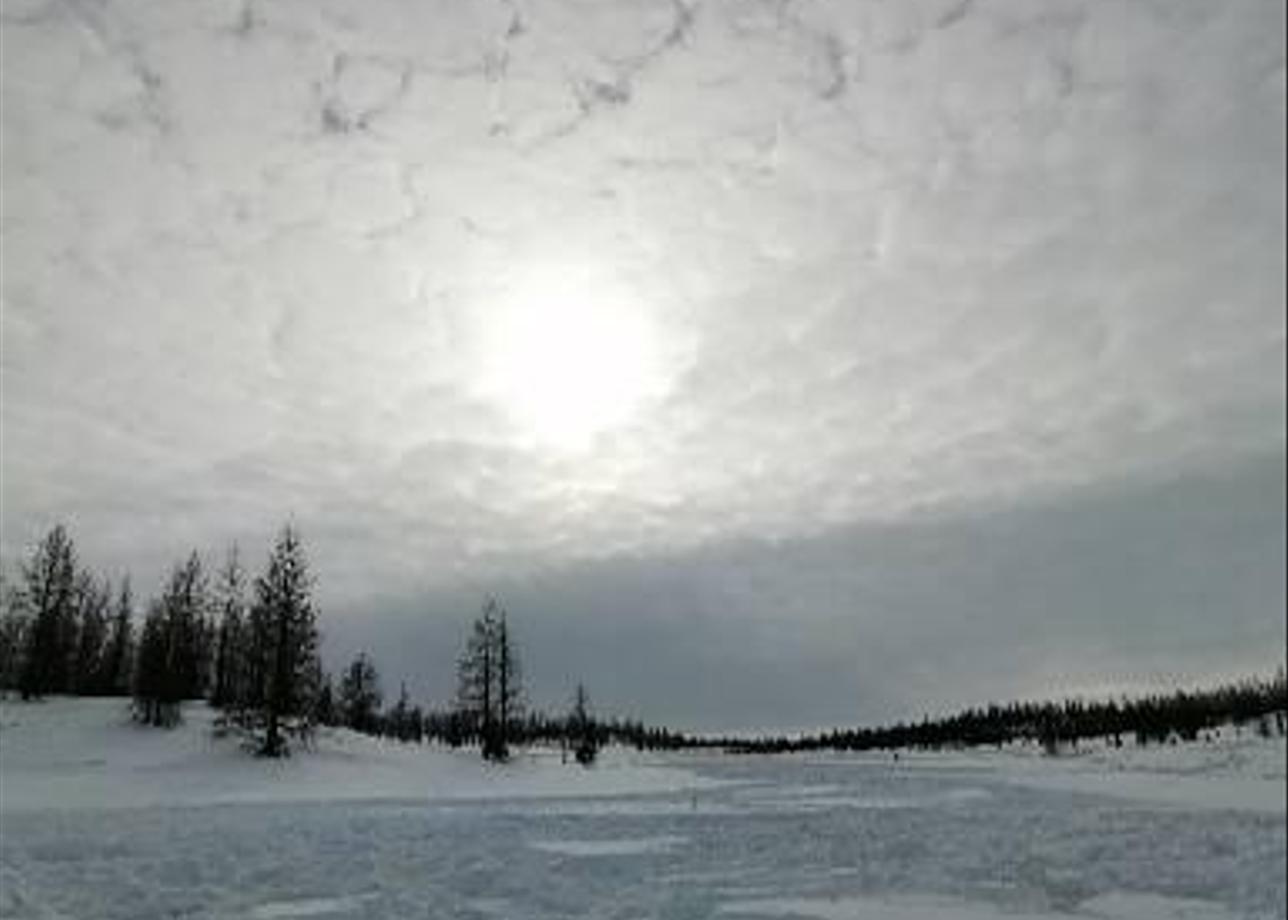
(775, 363)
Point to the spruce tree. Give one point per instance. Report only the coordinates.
(360, 696)
(229, 682)
(582, 732)
(117, 661)
(509, 695)
(92, 601)
(283, 600)
(13, 631)
(156, 690)
(489, 689)
(399, 720)
(48, 595)
(324, 706)
(476, 673)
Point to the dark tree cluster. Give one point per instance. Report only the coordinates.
(250, 648)
(1155, 719)
(267, 674)
(63, 629)
(174, 646)
(360, 696)
(489, 710)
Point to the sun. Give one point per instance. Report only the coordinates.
(569, 355)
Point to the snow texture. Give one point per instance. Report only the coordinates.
(102, 819)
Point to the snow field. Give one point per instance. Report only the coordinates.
(175, 824)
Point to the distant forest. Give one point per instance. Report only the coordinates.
(250, 646)
(1260, 704)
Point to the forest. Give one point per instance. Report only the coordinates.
(250, 646)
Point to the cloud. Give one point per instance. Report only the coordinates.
(933, 258)
(1108, 588)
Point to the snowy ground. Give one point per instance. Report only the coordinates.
(101, 819)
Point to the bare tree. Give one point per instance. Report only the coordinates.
(489, 695)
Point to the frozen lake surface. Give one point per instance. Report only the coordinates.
(733, 837)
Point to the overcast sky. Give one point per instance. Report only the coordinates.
(776, 363)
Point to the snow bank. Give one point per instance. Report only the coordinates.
(86, 753)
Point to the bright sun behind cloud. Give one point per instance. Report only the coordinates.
(568, 355)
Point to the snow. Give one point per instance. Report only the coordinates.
(86, 753)
(1109, 907)
(99, 818)
(625, 847)
(1234, 770)
(306, 907)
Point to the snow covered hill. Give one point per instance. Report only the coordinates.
(86, 753)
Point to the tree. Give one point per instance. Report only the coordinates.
(183, 607)
(13, 631)
(48, 595)
(230, 678)
(324, 708)
(117, 661)
(288, 623)
(92, 601)
(582, 731)
(156, 691)
(475, 673)
(173, 654)
(508, 690)
(489, 691)
(360, 696)
(398, 723)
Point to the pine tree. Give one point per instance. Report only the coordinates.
(118, 655)
(13, 631)
(509, 695)
(257, 647)
(476, 678)
(289, 627)
(399, 720)
(229, 687)
(489, 690)
(92, 601)
(156, 691)
(360, 696)
(582, 731)
(324, 707)
(171, 664)
(183, 605)
(48, 595)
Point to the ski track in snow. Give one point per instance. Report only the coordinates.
(966, 837)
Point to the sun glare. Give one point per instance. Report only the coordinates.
(568, 356)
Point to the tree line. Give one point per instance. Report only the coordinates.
(1184, 715)
(489, 710)
(250, 647)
